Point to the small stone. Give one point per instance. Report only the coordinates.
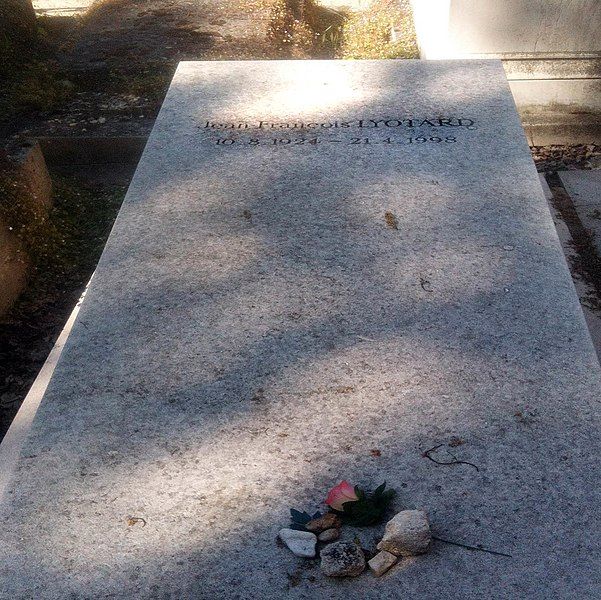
(342, 559)
(407, 534)
(300, 543)
(328, 521)
(381, 562)
(329, 535)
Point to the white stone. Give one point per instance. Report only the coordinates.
(300, 543)
(381, 562)
(407, 534)
(61, 8)
(550, 51)
(512, 27)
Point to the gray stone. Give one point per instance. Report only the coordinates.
(546, 189)
(329, 535)
(342, 559)
(584, 187)
(381, 562)
(584, 288)
(407, 534)
(300, 543)
(233, 269)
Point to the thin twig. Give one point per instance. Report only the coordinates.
(477, 548)
(423, 283)
(427, 453)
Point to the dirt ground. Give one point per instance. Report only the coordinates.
(113, 64)
(78, 226)
(106, 72)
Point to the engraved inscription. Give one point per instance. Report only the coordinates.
(245, 141)
(409, 123)
(391, 132)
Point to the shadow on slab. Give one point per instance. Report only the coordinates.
(238, 355)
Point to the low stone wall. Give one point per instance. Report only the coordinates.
(25, 198)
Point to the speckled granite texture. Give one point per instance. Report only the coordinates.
(259, 325)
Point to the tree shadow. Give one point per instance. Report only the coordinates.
(238, 354)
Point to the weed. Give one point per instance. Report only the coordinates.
(304, 29)
(368, 34)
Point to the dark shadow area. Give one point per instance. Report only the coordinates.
(66, 254)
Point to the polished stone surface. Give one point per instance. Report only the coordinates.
(299, 306)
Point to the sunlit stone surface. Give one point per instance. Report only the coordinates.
(275, 304)
(62, 8)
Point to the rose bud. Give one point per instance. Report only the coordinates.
(342, 493)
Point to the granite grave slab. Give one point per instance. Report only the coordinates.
(321, 270)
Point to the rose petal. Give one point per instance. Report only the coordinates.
(340, 494)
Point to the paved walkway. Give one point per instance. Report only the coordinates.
(76, 7)
(61, 7)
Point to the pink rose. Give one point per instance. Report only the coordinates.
(343, 492)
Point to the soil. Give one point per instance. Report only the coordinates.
(79, 224)
(106, 73)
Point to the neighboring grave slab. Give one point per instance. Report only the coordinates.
(316, 260)
(584, 188)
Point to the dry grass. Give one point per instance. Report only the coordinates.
(305, 29)
(367, 34)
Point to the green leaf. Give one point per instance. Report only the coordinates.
(369, 509)
(300, 517)
(388, 495)
(380, 490)
(296, 514)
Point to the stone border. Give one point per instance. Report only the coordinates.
(12, 443)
